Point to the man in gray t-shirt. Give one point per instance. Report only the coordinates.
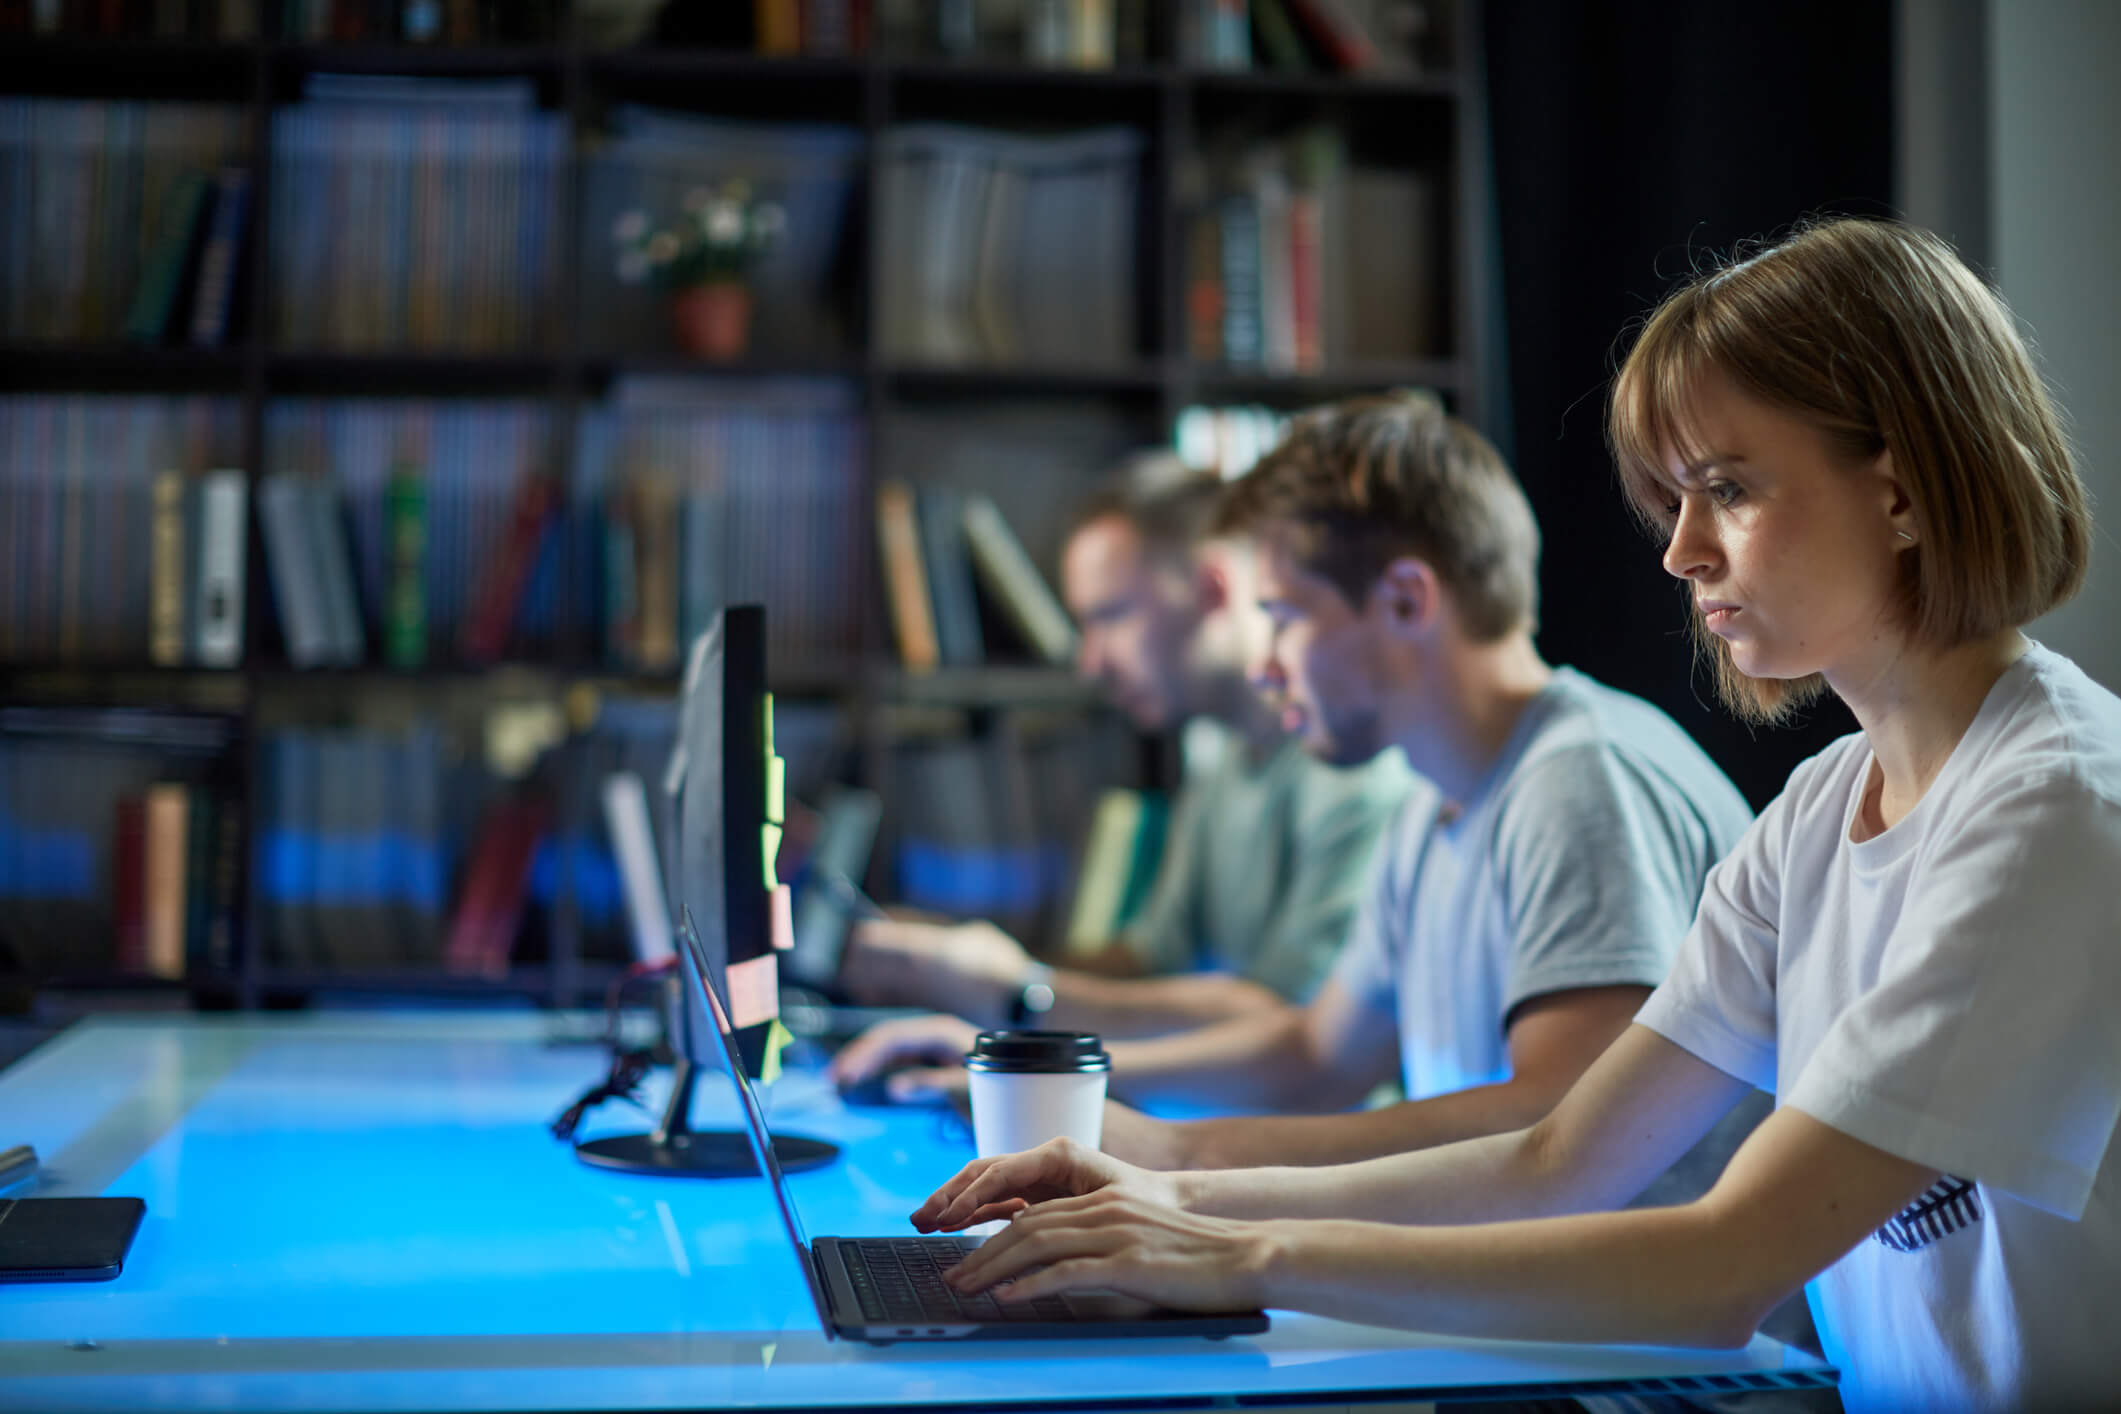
(1533, 889)
(1576, 863)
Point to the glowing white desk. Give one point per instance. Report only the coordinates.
(365, 1210)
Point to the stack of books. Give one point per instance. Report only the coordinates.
(112, 212)
(122, 530)
(417, 542)
(413, 213)
(1296, 260)
(714, 493)
(1009, 249)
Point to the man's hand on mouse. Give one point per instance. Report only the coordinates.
(972, 970)
(921, 1056)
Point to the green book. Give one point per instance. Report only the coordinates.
(162, 277)
(1277, 36)
(404, 570)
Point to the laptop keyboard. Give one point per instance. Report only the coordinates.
(901, 1279)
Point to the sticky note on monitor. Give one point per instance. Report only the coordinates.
(777, 790)
(754, 990)
(766, 722)
(777, 1040)
(770, 846)
(782, 916)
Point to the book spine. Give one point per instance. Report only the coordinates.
(165, 646)
(129, 884)
(163, 910)
(217, 610)
(1242, 333)
(405, 569)
(905, 580)
(215, 293)
(500, 594)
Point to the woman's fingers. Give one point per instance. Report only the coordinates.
(1032, 1176)
(1074, 1274)
(924, 1218)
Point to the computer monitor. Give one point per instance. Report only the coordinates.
(730, 812)
(730, 792)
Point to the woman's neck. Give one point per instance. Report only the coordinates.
(1913, 711)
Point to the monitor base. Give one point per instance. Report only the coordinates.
(707, 1154)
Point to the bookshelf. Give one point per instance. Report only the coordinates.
(916, 415)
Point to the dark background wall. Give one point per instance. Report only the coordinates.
(1630, 137)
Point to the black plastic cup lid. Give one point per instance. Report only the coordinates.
(1037, 1052)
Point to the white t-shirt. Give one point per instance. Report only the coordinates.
(1950, 992)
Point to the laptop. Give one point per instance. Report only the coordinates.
(887, 1289)
(827, 896)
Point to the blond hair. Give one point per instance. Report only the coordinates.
(1880, 336)
(1358, 484)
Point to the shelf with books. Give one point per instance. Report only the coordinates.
(908, 77)
(69, 366)
(600, 369)
(956, 308)
(1356, 88)
(913, 379)
(1224, 383)
(538, 61)
(995, 685)
(80, 65)
(562, 985)
(649, 62)
(330, 371)
(790, 88)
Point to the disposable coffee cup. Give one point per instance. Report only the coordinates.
(1031, 1086)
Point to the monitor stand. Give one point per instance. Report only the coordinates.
(674, 1149)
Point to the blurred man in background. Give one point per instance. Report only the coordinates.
(1265, 857)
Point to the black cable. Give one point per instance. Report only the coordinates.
(628, 1067)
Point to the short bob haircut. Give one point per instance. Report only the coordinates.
(1880, 336)
(1355, 485)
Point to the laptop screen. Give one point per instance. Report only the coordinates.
(693, 963)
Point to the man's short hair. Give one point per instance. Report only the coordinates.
(1170, 505)
(1359, 484)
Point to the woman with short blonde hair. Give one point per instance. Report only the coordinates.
(1854, 469)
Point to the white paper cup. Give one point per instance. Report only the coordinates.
(1031, 1086)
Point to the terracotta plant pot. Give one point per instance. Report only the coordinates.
(713, 320)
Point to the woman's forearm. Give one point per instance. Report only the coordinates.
(1475, 1181)
(1657, 1276)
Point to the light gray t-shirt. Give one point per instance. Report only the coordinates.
(1578, 863)
(1265, 862)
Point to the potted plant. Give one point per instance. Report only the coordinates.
(702, 259)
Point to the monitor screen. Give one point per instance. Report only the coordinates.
(729, 798)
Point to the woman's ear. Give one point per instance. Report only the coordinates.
(1899, 505)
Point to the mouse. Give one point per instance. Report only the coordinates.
(872, 1092)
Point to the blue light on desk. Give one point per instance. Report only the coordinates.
(367, 1211)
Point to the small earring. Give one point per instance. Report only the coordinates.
(1903, 535)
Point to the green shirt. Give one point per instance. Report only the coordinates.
(1265, 861)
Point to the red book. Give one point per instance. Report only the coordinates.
(1307, 277)
(1334, 33)
(129, 885)
(500, 593)
(483, 931)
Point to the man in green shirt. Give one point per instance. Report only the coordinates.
(1267, 852)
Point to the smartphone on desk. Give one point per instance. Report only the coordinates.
(66, 1239)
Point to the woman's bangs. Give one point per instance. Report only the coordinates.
(1652, 416)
